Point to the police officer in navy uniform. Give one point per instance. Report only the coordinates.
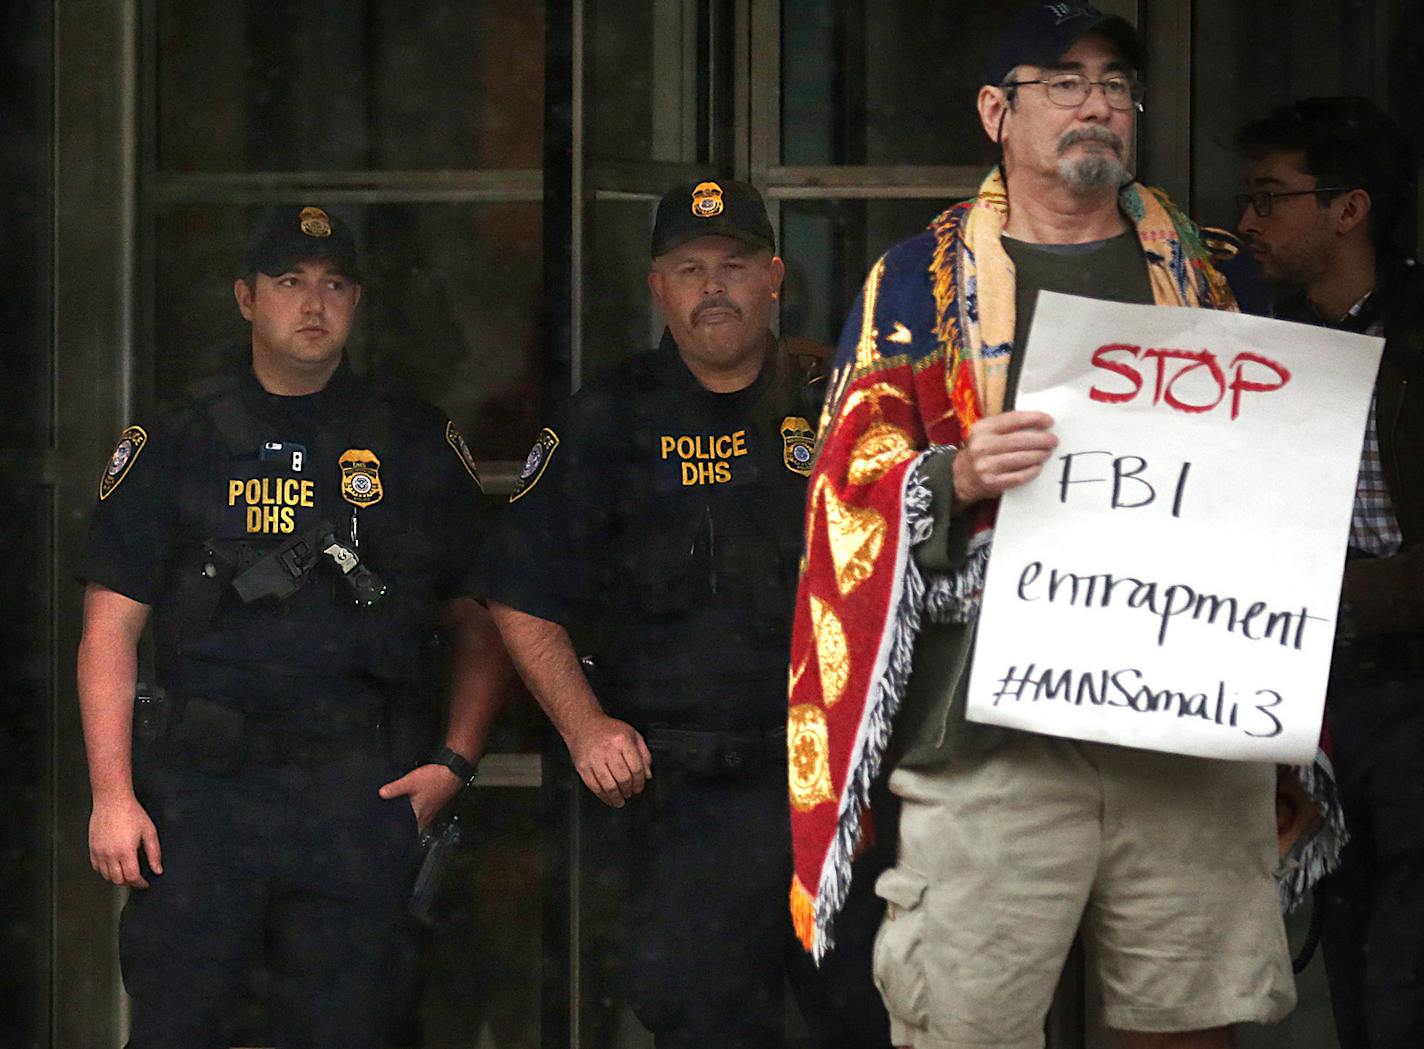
(656, 531)
(296, 537)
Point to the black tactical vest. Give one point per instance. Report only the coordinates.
(700, 582)
(260, 472)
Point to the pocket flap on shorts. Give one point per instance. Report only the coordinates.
(904, 888)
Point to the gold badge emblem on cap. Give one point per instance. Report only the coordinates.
(360, 477)
(707, 200)
(315, 222)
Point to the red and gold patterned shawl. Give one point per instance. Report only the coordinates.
(924, 355)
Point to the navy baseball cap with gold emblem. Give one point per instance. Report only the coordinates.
(712, 208)
(289, 235)
(1040, 34)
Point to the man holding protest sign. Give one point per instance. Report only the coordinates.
(1009, 841)
(1330, 180)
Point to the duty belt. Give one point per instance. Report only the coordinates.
(709, 751)
(217, 738)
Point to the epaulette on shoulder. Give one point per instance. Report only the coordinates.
(1222, 245)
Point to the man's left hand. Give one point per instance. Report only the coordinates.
(429, 787)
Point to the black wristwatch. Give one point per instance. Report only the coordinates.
(456, 762)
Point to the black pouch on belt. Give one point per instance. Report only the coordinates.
(206, 735)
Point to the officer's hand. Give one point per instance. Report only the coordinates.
(118, 828)
(611, 758)
(429, 787)
(1003, 452)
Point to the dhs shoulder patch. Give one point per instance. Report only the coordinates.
(462, 450)
(131, 442)
(536, 463)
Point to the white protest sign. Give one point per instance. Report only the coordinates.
(1170, 580)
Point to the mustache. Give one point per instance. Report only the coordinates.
(715, 302)
(1091, 133)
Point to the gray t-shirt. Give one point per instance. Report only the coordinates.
(1111, 269)
(931, 727)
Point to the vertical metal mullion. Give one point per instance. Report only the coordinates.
(743, 61)
(700, 71)
(761, 106)
(763, 88)
(92, 182)
(145, 240)
(576, 191)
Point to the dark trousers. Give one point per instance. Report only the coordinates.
(1373, 929)
(305, 867)
(711, 939)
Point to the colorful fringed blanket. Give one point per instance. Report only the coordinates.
(924, 355)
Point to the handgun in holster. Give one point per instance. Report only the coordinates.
(281, 572)
(440, 842)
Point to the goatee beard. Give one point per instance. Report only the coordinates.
(1095, 170)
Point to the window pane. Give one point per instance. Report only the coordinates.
(619, 317)
(641, 78)
(1245, 65)
(829, 247)
(25, 84)
(25, 826)
(371, 85)
(451, 311)
(480, 967)
(889, 82)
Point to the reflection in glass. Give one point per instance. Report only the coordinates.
(619, 318)
(829, 246)
(900, 77)
(25, 77)
(481, 962)
(643, 91)
(369, 85)
(24, 768)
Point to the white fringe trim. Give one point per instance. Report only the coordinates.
(886, 693)
(1318, 853)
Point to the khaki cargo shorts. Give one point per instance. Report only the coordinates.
(1164, 862)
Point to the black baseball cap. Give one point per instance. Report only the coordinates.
(1040, 35)
(289, 235)
(712, 207)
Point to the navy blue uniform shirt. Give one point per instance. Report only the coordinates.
(661, 524)
(393, 471)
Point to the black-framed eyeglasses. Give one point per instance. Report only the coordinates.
(1262, 200)
(1071, 90)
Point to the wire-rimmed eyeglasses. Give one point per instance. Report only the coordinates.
(1071, 90)
(1262, 200)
